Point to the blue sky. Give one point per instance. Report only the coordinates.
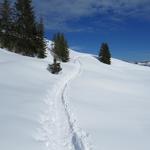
(124, 24)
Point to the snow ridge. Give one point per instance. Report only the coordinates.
(60, 132)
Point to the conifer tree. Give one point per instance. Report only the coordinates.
(1, 25)
(64, 51)
(5, 24)
(25, 28)
(60, 49)
(104, 54)
(19, 30)
(13, 33)
(56, 46)
(41, 46)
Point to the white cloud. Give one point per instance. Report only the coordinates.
(58, 13)
(79, 8)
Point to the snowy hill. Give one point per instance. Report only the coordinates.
(89, 105)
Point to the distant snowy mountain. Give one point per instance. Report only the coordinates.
(143, 63)
(88, 106)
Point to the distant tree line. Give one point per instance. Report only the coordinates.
(20, 32)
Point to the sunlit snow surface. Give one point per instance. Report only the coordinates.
(88, 105)
(112, 103)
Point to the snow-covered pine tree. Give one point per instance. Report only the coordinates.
(104, 54)
(25, 28)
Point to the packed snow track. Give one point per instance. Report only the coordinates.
(66, 135)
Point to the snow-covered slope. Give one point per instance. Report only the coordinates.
(41, 111)
(33, 111)
(24, 83)
(112, 103)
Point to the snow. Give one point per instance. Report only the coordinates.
(112, 104)
(89, 105)
(24, 83)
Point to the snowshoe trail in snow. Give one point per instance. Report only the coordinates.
(60, 131)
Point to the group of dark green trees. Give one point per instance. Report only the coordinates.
(60, 49)
(104, 54)
(20, 32)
